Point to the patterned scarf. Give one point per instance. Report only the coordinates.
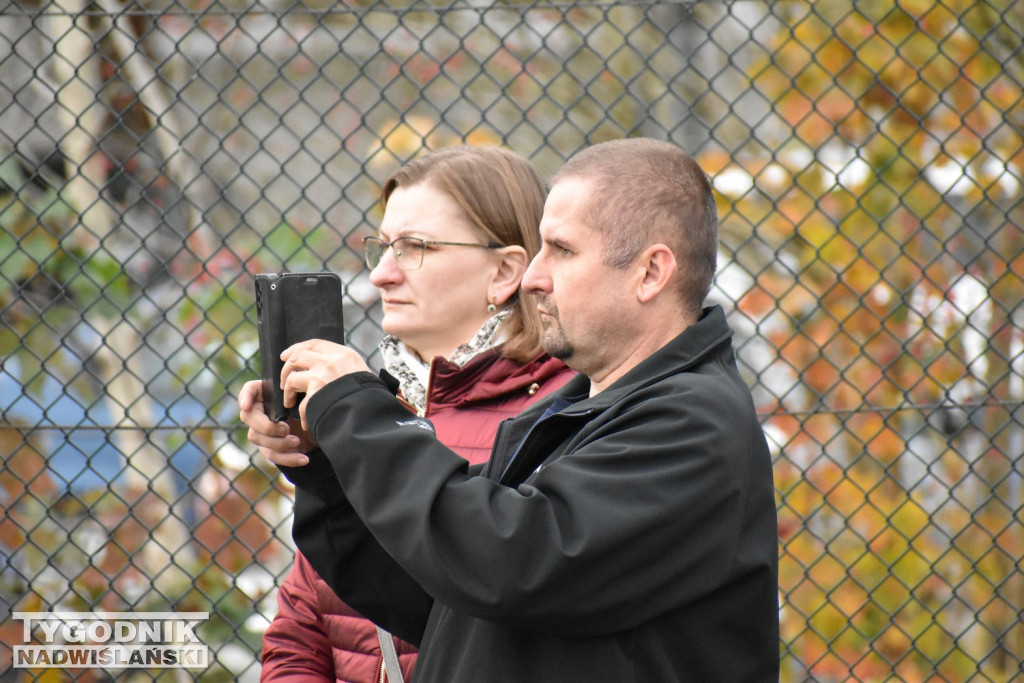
(413, 373)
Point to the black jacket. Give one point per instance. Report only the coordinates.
(631, 538)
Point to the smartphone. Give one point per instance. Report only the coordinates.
(293, 307)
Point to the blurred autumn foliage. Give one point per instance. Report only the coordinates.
(894, 194)
(869, 160)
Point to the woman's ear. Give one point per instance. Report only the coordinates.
(508, 275)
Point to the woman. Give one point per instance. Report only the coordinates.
(459, 228)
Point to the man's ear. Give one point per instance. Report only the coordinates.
(658, 267)
(508, 275)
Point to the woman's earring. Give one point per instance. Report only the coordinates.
(491, 308)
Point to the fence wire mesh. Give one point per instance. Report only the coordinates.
(868, 159)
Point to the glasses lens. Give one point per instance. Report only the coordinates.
(373, 250)
(408, 252)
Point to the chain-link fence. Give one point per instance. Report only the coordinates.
(869, 160)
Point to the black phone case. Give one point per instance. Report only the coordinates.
(293, 307)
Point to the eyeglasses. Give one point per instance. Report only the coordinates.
(409, 250)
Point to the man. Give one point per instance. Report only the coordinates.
(623, 529)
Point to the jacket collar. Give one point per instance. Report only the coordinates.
(488, 375)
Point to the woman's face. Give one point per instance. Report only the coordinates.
(443, 303)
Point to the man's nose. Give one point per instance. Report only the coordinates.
(535, 279)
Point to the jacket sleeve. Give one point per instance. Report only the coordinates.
(295, 647)
(340, 548)
(642, 514)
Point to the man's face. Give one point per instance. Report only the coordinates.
(581, 300)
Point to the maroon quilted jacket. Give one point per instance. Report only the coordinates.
(317, 637)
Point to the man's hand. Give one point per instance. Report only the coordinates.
(311, 365)
(282, 443)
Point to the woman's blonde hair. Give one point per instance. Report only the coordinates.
(503, 196)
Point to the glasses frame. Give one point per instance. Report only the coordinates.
(421, 244)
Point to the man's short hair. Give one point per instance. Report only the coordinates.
(645, 191)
